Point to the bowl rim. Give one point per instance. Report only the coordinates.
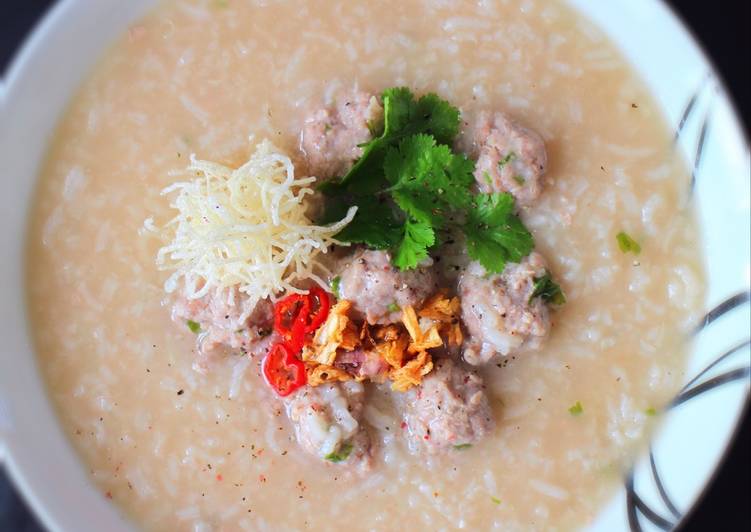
(35, 43)
(703, 51)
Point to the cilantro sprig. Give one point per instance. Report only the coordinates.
(495, 235)
(403, 116)
(409, 186)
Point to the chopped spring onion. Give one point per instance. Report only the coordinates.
(335, 282)
(627, 244)
(548, 290)
(341, 455)
(503, 162)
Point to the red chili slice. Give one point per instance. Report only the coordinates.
(283, 371)
(319, 305)
(290, 319)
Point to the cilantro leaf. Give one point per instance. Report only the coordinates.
(374, 223)
(461, 171)
(397, 104)
(576, 410)
(495, 235)
(334, 210)
(438, 117)
(194, 326)
(341, 455)
(403, 116)
(374, 229)
(415, 159)
(462, 446)
(548, 290)
(419, 206)
(422, 166)
(417, 237)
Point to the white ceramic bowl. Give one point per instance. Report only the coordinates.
(695, 430)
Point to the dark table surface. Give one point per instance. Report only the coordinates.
(724, 28)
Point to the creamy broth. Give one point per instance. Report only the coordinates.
(174, 450)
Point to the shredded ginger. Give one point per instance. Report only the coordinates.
(244, 227)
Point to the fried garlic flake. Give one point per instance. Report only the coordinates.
(393, 351)
(421, 340)
(454, 336)
(336, 332)
(412, 372)
(441, 308)
(322, 374)
(403, 346)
